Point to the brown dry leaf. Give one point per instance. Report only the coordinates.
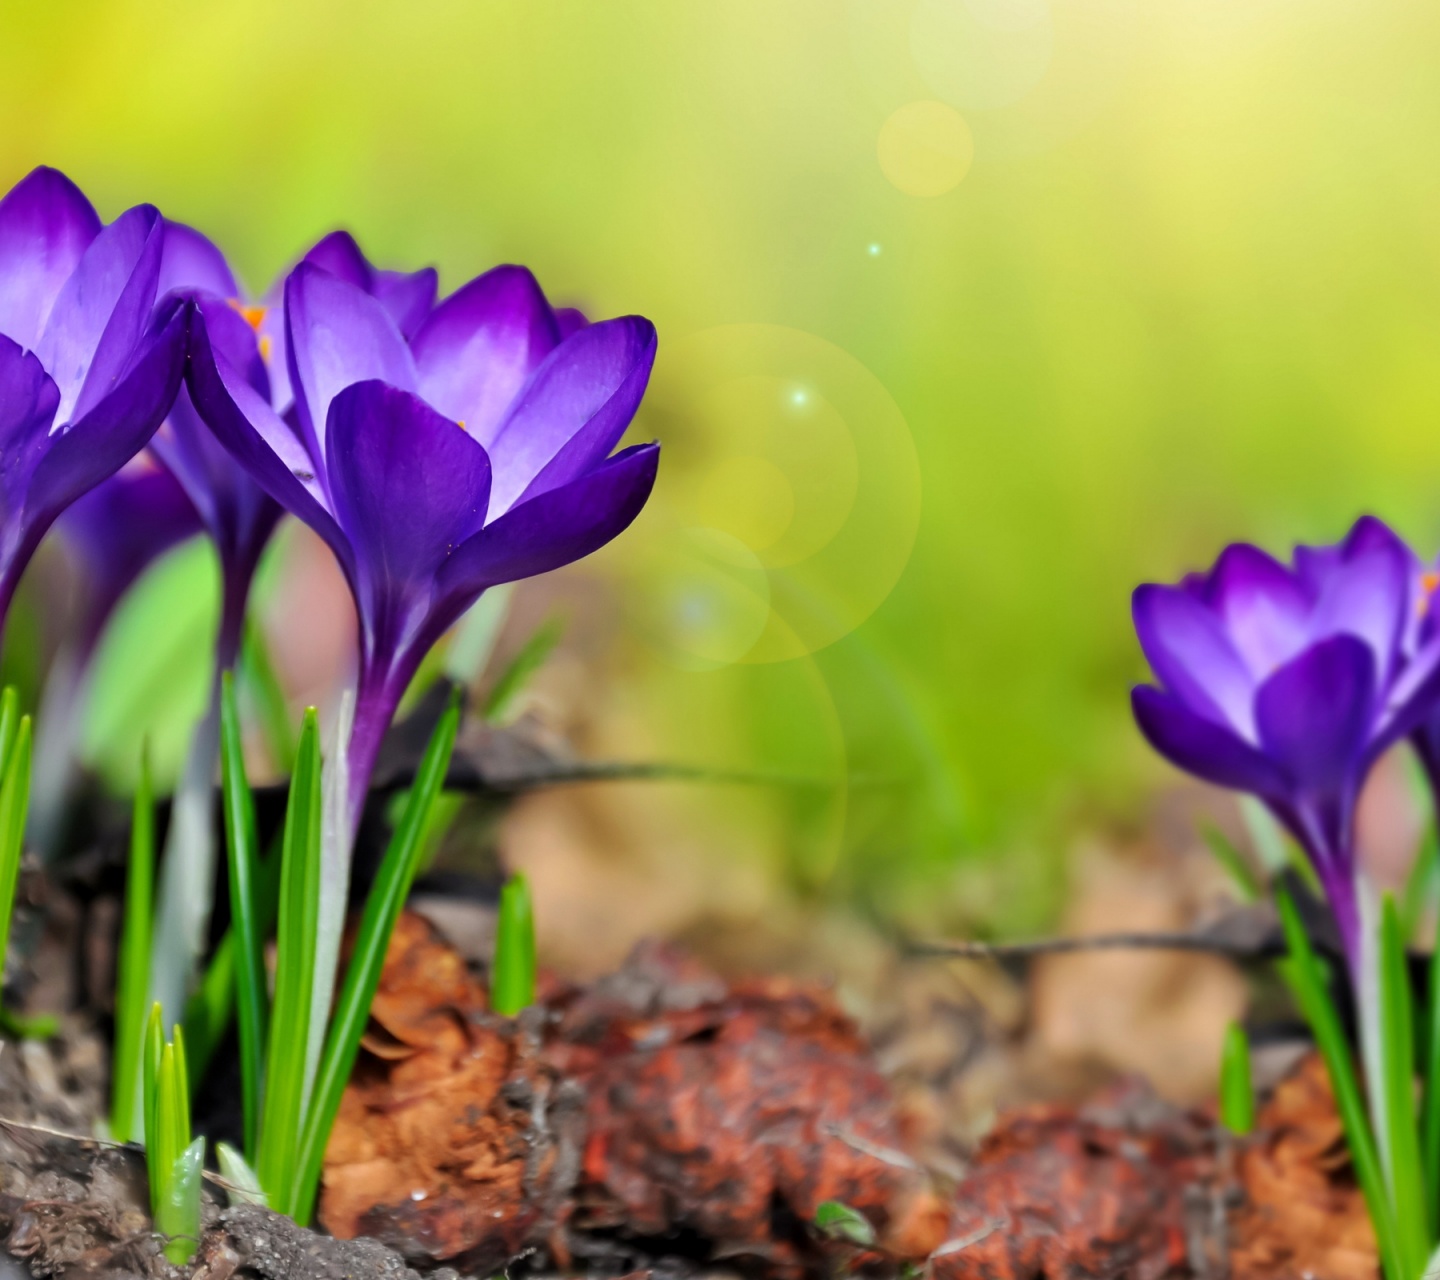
(738, 1117)
(435, 1149)
(727, 1113)
(1056, 1193)
(1303, 1212)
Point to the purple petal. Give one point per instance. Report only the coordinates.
(338, 254)
(1315, 714)
(336, 336)
(123, 524)
(46, 224)
(1192, 657)
(408, 296)
(258, 438)
(97, 445)
(1367, 592)
(191, 261)
(1264, 609)
(574, 410)
(409, 487)
(479, 346)
(238, 515)
(103, 310)
(555, 529)
(28, 400)
(1200, 746)
(569, 320)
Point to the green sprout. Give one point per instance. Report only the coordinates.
(173, 1160)
(133, 966)
(512, 974)
(1237, 1092)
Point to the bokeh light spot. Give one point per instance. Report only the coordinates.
(749, 498)
(810, 509)
(925, 148)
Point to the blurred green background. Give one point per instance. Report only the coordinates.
(973, 313)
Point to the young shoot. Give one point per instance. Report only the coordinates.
(173, 1159)
(512, 973)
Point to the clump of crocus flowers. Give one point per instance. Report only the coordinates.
(440, 448)
(1289, 682)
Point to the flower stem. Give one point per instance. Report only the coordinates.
(187, 869)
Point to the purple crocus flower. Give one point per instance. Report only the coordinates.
(476, 452)
(87, 366)
(238, 514)
(1289, 682)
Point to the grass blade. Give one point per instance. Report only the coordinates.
(1306, 976)
(511, 682)
(362, 976)
(9, 722)
(178, 1213)
(1246, 883)
(207, 1012)
(1407, 1188)
(133, 966)
(1430, 1108)
(150, 1070)
(1237, 1091)
(14, 802)
(512, 974)
(243, 1186)
(246, 934)
(283, 1109)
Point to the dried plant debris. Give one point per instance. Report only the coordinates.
(658, 1105)
(1302, 1212)
(1100, 1192)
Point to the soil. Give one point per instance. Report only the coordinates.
(667, 1121)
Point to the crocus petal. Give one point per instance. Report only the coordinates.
(1367, 592)
(102, 310)
(123, 524)
(98, 444)
(408, 296)
(1264, 609)
(28, 400)
(259, 438)
(1314, 714)
(338, 254)
(46, 224)
(1200, 746)
(1192, 656)
(408, 485)
(337, 335)
(479, 346)
(557, 528)
(569, 320)
(574, 410)
(191, 261)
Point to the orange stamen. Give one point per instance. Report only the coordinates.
(254, 316)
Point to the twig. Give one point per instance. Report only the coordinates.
(886, 1154)
(961, 1243)
(1210, 943)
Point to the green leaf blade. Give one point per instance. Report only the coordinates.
(283, 1109)
(247, 909)
(512, 975)
(1237, 1092)
(133, 967)
(372, 941)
